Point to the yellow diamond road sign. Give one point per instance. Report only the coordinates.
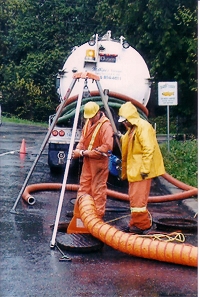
(167, 93)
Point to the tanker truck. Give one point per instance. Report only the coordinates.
(124, 76)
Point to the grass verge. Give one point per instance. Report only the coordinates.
(21, 121)
(181, 161)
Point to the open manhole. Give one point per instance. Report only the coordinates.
(70, 207)
(176, 223)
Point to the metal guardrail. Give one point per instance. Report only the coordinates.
(163, 137)
(179, 137)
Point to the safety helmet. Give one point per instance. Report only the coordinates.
(90, 109)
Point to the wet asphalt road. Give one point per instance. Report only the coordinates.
(29, 267)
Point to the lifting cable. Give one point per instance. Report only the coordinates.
(174, 236)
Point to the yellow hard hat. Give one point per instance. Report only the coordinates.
(90, 109)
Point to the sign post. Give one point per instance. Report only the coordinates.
(167, 95)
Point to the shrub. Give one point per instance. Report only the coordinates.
(181, 161)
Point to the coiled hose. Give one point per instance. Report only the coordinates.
(69, 111)
(111, 94)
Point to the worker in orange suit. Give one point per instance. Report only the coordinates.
(95, 145)
(141, 161)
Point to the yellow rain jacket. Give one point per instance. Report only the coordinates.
(140, 149)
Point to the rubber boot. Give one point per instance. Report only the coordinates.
(141, 220)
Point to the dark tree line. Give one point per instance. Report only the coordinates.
(36, 36)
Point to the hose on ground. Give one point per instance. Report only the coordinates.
(139, 246)
(135, 245)
(188, 191)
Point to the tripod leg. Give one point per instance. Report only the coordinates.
(52, 244)
(104, 98)
(43, 145)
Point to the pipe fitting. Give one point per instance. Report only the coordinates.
(30, 200)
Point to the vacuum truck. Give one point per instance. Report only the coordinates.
(123, 74)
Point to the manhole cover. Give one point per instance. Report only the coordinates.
(79, 242)
(174, 223)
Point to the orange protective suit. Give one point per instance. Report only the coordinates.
(141, 161)
(97, 141)
(138, 195)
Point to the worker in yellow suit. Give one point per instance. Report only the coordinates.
(95, 145)
(141, 161)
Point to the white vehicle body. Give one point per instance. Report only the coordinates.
(122, 71)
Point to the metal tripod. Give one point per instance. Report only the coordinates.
(104, 96)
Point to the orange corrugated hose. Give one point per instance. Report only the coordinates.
(132, 244)
(135, 245)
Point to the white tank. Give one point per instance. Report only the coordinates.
(121, 70)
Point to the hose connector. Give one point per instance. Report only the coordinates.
(31, 200)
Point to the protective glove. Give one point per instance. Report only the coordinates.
(118, 134)
(143, 175)
(93, 154)
(76, 154)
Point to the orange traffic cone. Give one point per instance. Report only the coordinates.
(23, 147)
(76, 225)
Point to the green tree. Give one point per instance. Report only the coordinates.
(39, 38)
(165, 34)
